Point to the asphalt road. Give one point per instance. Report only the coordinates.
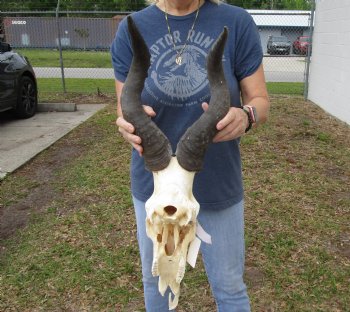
(277, 69)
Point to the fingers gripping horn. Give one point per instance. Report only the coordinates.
(193, 144)
(156, 147)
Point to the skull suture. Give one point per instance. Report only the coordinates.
(172, 209)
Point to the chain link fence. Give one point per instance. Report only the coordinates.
(286, 42)
(72, 47)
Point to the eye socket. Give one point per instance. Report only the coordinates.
(170, 210)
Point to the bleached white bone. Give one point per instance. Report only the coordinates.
(171, 224)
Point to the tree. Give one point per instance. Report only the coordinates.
(297, 4)
(134, 5)
(273, 4)
(72, 5)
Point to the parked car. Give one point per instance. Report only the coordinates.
(301, 45)
(18, 86)
(278, 45)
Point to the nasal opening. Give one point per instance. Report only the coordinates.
(170, 210)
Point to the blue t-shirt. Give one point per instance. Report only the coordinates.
(176, 92)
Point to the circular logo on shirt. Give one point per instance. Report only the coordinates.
(180, 81)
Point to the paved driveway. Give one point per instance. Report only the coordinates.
(284, 69)
(21, 140)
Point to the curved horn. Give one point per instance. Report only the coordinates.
(193, 144)
(156, 147)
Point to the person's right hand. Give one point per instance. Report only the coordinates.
(127, 130)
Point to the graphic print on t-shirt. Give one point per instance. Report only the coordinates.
(182, 84)
(180, 81)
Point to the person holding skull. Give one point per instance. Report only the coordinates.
(179, 35)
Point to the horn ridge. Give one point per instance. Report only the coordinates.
(157, 150)
(193, 144)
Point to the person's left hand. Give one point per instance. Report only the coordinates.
(232, 126)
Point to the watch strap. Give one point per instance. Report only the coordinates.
(252, 117)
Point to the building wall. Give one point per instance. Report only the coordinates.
(330, 64)
(98, 33)
(75, 32)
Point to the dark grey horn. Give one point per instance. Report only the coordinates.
(193, 144)
(156, 147)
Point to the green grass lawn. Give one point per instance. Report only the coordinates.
(71, 59)
(78, 250)
(51, 89)
(102, 59)
(75, 85)
(290, 88)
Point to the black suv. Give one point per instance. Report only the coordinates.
(278, 45)
(18, 86)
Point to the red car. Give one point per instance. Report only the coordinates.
(301, 45)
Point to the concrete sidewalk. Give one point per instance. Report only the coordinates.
(22, 139)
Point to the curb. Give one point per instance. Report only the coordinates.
(2, 175)
(57, 107)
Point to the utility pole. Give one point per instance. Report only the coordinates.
(309, 50)
(59, 45)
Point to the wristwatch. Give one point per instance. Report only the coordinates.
(252, 116)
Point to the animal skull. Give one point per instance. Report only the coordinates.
(171, 224)
(172, 209)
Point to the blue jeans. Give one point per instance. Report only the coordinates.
(223, 259)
